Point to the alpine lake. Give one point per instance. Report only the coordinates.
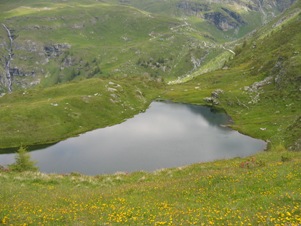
(165, 135)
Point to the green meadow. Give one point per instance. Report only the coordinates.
(45, 116)
(145, 55)
(260, 190)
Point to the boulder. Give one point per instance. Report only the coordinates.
(216, 93)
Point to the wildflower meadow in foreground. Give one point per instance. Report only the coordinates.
(265, 191)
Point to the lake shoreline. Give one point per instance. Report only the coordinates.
(166, 135)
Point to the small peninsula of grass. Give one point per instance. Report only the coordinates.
(45, 116)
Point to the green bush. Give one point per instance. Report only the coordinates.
(23, 162)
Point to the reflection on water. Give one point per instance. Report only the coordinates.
(166, 135)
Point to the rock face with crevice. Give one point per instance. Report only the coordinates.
(228, 14)
(193, 8)
(225, 21)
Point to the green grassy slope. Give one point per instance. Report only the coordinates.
(41, 116)
(270, 109)
(253, 13)
(55, 42)
(104, 38)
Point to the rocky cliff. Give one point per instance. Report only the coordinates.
(229, 14)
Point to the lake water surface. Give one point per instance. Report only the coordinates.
(166, 135)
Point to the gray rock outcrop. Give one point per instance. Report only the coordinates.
(55, 50)
(213, 100)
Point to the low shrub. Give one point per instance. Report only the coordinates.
(23, 162)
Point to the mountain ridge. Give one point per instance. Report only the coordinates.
(154, 47)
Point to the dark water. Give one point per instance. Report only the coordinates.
(166, 135)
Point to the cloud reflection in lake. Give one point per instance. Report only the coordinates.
(166, 135)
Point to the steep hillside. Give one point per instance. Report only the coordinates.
(223, 20)
(45, 43)
(261, 85)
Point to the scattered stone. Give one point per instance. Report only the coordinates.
(254, 99)
(211, 100)
(114, 101)
(112, 89)
(214, 97)
(113, 95)
(216, 93)
(86, 99)
(256, 85)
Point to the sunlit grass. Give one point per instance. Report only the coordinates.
(40, 116)
(266, 192)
